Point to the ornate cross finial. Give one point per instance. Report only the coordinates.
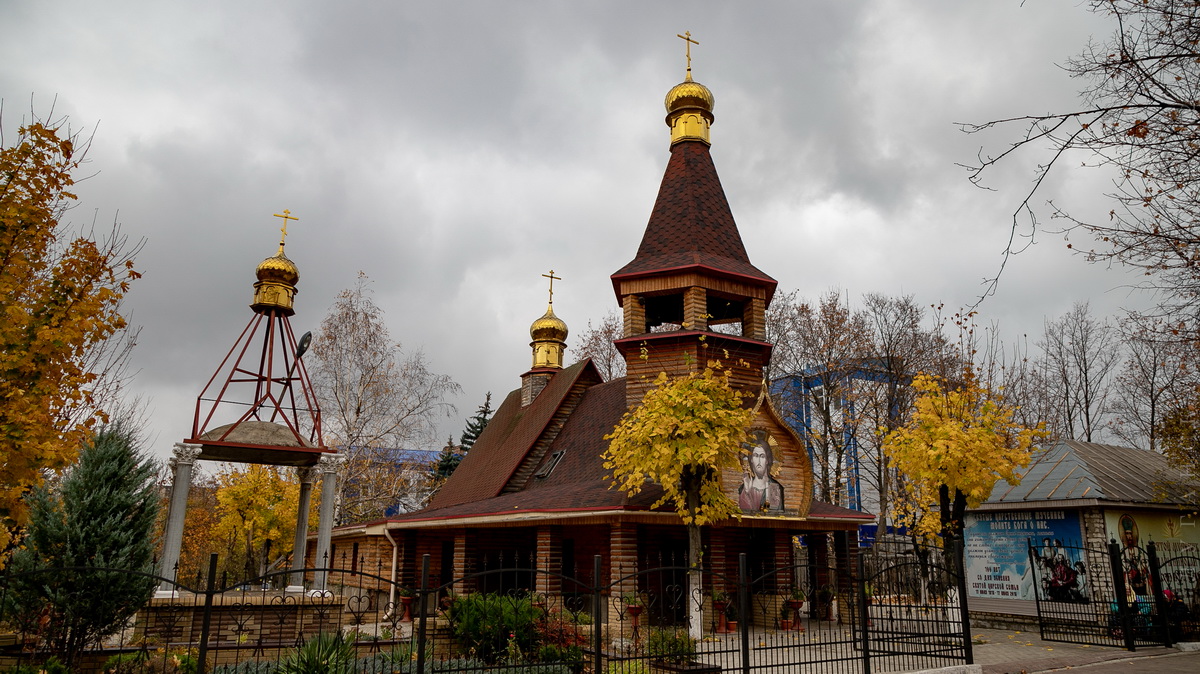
(286, 215)
(552, 278)
(687, 38)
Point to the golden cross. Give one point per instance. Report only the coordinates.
(552, 278)
(286, 215)
(687, 38)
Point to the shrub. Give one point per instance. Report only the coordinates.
(490, 626)
(323, 654)
(174, 661)
(627, 667)
(671, 645)
(248, 667)
(51, 666)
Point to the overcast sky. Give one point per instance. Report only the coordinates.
(456, 151)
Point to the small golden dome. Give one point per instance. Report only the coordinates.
(548, 327)
(689, 94)
(279, 269)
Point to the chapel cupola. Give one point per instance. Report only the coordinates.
(691, 294)
(549, 335)
(689, 105)
(275, 289)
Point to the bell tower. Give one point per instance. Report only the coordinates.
(691, 294)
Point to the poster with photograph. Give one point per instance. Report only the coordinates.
(997, 555)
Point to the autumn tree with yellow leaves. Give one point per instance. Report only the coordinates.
(960, 440)
(59, 301)
(256, 517)
(686, 431)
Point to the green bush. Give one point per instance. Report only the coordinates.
(174, 661)
(323, 654)
(671, 645)
(490, 626)
(51, 666)
(248, 667)
(627, 667)
(441, 666)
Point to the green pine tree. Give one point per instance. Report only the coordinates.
(448, 460)
(101, 518)
(476, 424)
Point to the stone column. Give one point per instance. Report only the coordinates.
(328, 466)
(300, 546)
(181, 463)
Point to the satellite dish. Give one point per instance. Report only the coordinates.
(305, 340)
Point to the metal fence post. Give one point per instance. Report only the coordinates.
(597, 615)
(864, 609)
(744, 610)
(1126, 620)
(958, 543)
(1161, 614)
(1037, 588)
(206, 623)
(422, 601)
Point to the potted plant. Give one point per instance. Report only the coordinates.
(720, 601)
(634, 606)
(406, 599)
(731, 618)
(785, 617)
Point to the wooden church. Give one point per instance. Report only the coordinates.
(533, 489)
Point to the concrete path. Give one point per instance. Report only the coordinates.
(1016, 652)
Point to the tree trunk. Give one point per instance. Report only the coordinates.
(695, 585)
(695, 577)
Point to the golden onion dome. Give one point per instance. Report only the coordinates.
(548, 327)
(278, 269)
(689, 94)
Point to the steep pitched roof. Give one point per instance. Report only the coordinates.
(578, 482)
(691, 224)
(1084, 470)
(503, 444)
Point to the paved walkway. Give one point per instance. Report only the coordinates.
(1016, 652)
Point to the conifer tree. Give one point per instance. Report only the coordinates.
(448, 460)
(476, 424)
(82, 572)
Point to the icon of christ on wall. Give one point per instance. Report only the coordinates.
(760, 491)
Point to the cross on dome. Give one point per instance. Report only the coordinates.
(687, 38)
(552, 278)
(286, 215)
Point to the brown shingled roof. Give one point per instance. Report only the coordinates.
(502, 445)
(578, 483)
(691, 224)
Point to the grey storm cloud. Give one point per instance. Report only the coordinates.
(455, 151)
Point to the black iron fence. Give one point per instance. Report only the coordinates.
(893, 608)
(1118, 595)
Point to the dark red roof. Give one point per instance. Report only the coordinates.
(691, 224)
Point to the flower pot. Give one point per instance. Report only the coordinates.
(406, 607)
(719, 607)
(785, 624)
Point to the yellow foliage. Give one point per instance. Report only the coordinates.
(257, 505)
(963, 437)
(685, 432)
(59, 297)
